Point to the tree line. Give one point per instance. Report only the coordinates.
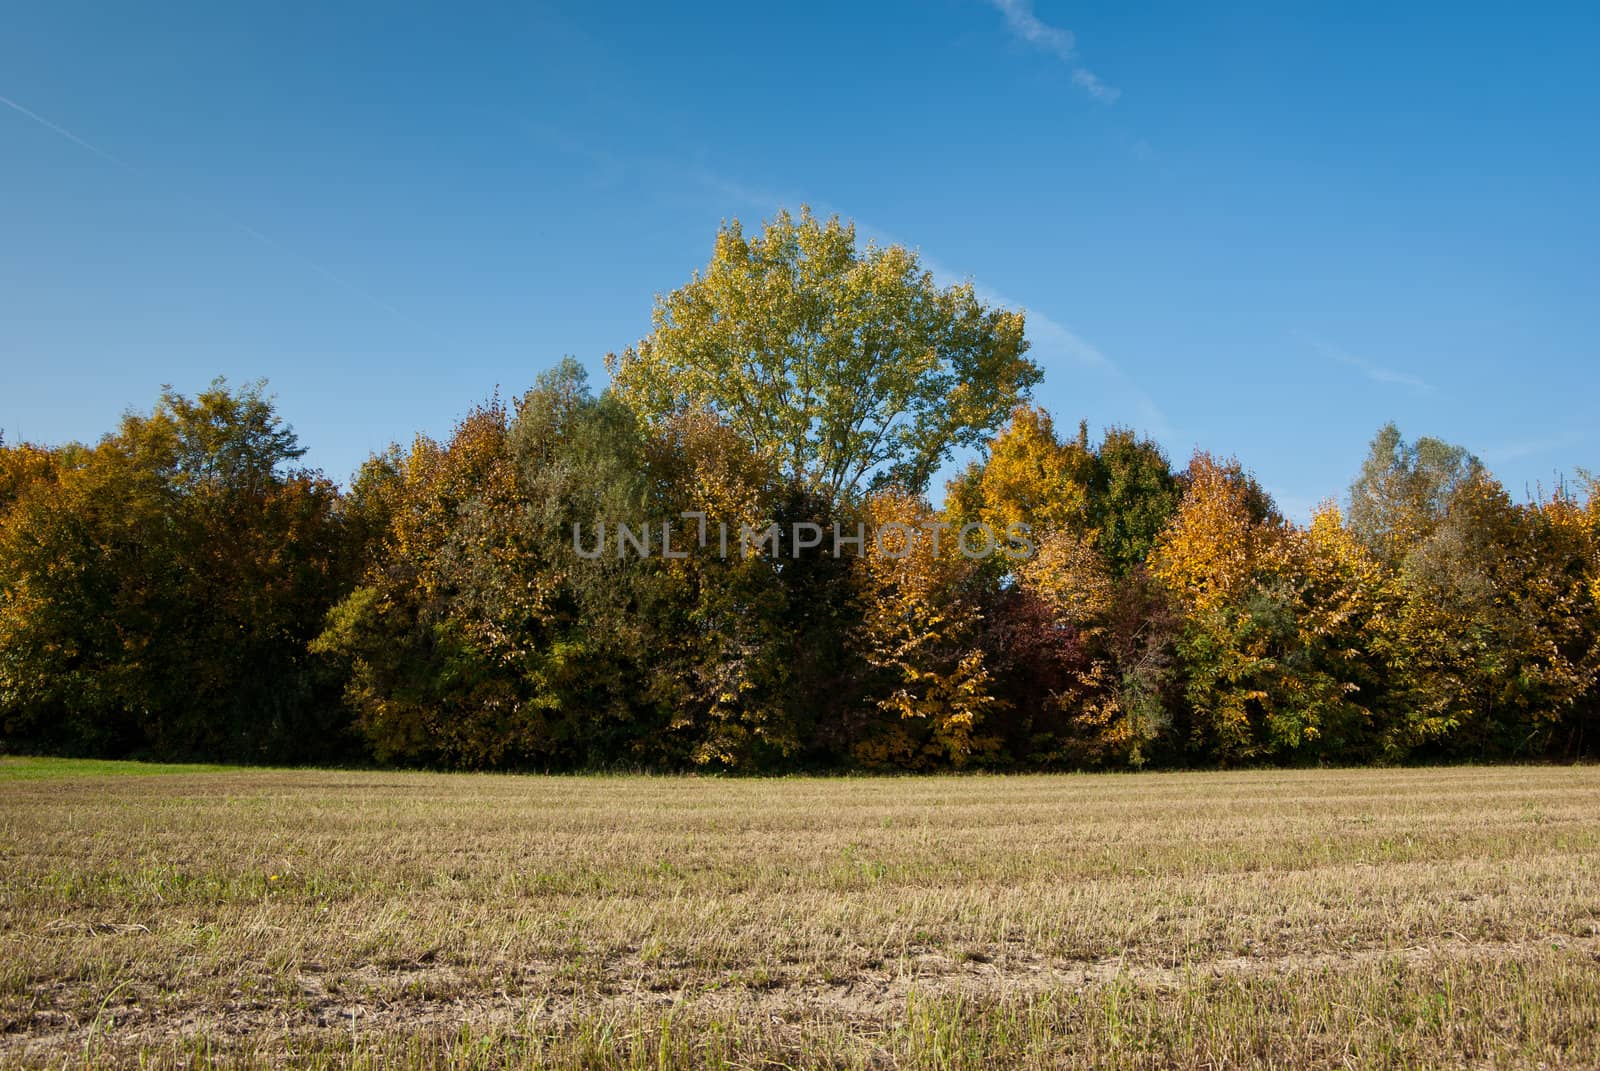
(184, 589)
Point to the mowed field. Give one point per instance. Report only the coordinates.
(1396, 918)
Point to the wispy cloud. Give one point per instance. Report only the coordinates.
(1029, 28)
(1052, 342)
(1021, 20)
(764, 199)
(1526, 448)
(1091, 84)
(1376, 372)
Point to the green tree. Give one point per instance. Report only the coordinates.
(1498, 623)
(1133, 497)
(849, 367)
(488, 632)
(1404, 490)
(434, 640)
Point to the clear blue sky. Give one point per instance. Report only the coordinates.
(1256, 230)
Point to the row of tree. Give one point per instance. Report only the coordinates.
(181, 589)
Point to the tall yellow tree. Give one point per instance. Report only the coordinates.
(1225, 535)
(1225, 530)
(1028, 476)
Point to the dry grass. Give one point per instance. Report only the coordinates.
(1438, 918)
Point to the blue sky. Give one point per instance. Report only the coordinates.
(1257, 229)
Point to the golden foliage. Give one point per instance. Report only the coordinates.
(1217, 542)
(1029, 476)
(841, 365)
(920, 628)
(1069, 574)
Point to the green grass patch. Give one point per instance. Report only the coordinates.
(31, 768)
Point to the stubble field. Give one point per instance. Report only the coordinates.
(1396, 918)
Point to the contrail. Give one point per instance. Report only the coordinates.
(270, 243)
(63, 131)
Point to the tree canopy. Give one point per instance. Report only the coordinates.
(184, 588)
(849, 366)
